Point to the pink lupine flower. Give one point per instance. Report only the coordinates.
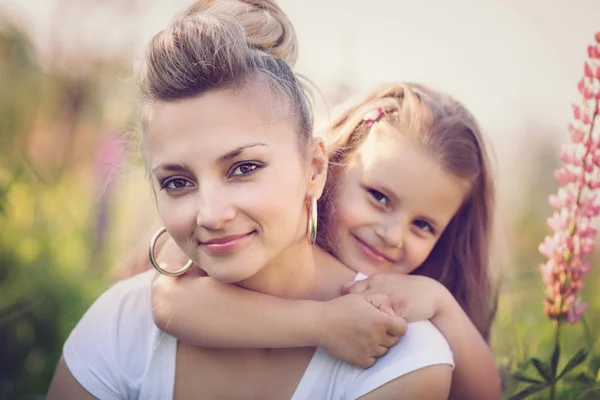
(572, 241)
(108, 158)
(576, 310)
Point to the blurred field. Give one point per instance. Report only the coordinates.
(75, 207)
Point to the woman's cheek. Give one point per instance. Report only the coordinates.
(178, 216)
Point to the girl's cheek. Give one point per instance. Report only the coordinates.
(418, 253)
(350, 207)
(346, 215)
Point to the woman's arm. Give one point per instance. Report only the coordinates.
(65, 386)
(199, 310)
(417, 298)
(96, 356)
(429, 383)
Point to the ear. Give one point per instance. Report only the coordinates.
(318, 163)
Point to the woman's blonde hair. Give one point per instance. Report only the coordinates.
(227, 44)
(446, 130)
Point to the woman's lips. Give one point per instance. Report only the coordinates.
(371, 253)
(226, 245)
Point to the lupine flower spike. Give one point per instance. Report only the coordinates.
(567, 250)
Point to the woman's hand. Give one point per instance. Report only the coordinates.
(358, 328)
(413, 297)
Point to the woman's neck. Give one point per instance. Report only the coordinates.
(301, 272)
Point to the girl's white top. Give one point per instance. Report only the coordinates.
(117, 352)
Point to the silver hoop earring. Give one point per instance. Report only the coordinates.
(154, 263)
(312, 221)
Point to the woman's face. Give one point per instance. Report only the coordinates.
(392, 204)
(230, 181)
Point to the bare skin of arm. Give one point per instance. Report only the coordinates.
(201, 311)
(429, 383)
(65, 386)
(349, 331)
(475, 375)
(416, 298)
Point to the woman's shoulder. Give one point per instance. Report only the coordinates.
(109, 349)
(422, 346)
(329, 378)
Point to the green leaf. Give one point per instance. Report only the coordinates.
(589, 337)
(594, 364)
(555, 359)
(523, 364)
(585, 394)
(577, 359)
(3, 195)
(524, 378)
(581, 378)
(528, 391)
(543, 369)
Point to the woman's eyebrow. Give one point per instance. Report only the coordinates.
(172, 168)
(237, 151)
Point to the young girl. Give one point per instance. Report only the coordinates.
(410, 194)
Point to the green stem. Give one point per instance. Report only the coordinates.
(556, 325)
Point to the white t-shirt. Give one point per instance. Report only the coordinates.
(117, 352)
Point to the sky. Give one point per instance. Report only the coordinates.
(514, 63)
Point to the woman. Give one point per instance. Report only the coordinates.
(227, 138)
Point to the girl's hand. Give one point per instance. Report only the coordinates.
(358, 328)
(413, 297)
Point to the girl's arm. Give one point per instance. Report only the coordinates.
(417, 298)
(475, 375)
(199, 310)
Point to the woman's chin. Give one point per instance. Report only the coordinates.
(231, 276)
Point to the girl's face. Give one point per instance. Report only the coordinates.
(392, 204)
(230, 181)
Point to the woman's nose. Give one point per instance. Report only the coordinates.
(214, 208)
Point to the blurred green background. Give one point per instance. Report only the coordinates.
(75, 211)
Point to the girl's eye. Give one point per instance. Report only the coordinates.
(424, 226)
(244, 169)
(379, 197)
(176, 184)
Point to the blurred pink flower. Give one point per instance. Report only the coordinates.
(108, 157)
(572, 240)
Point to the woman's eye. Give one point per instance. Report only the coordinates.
(378, 196)
(244, 169)
(424, 226)
(176, 184)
